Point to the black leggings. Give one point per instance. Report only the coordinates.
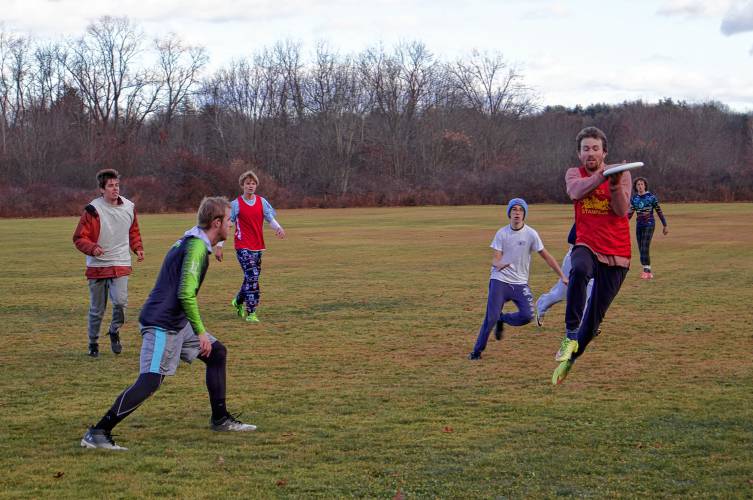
(148, 383)
(215, 377)
(644, 234)
(607, 282)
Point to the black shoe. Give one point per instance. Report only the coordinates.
(99, 438)
(499, 330)
(93, 350)
(115, 342)
(474, 356)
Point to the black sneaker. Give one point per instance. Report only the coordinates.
(499, 330)
(99, 438)
(115, 342)
(230, 424)
(474, 356)
(93, 350)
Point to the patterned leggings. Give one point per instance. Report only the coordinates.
(250, 262)
(643, 235)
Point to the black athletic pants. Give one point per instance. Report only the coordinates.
(607, 282)
(148, 383)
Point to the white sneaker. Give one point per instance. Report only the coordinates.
(99, 438)
(231, 424)
(539, 316)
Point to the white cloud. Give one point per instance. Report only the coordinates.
(694, 8)
(73, 15)
(563, 84)
(659, 59)
(738, 19)
(550, 10)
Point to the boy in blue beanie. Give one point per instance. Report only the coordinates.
(512, 245)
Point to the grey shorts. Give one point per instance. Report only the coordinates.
(162, 350)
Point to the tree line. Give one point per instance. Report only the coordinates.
(395, 126)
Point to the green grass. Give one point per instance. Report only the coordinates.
(357, 376)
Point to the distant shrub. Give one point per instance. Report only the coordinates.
(42, 200)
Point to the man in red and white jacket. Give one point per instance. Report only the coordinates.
(106, 233)
(602, 245)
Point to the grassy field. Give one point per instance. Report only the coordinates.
(358, 379)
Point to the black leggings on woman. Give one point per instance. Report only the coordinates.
(644, 234)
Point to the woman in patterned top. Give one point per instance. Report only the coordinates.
(644, 203)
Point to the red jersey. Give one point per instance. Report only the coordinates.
(598, 226)
(249, 225)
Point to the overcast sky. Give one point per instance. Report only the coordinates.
(570, 52)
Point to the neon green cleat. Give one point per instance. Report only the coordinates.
(567, 348)
(561, 372)
(239, 309)
(252, 318)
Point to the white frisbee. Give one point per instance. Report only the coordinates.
(622, 167)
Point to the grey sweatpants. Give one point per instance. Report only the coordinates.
(558, 293)
(99, 290)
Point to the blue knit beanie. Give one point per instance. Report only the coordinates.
(517, 201)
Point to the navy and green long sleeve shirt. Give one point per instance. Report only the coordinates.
(172, 302)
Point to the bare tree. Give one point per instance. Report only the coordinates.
(50, 74)
(288, 59)
(334, 101)
(494, 91)
(7, 41)
(488, 84)
(179, 68)
(101, 66)
(400, 85)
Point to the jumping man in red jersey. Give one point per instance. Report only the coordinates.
(602, 245)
